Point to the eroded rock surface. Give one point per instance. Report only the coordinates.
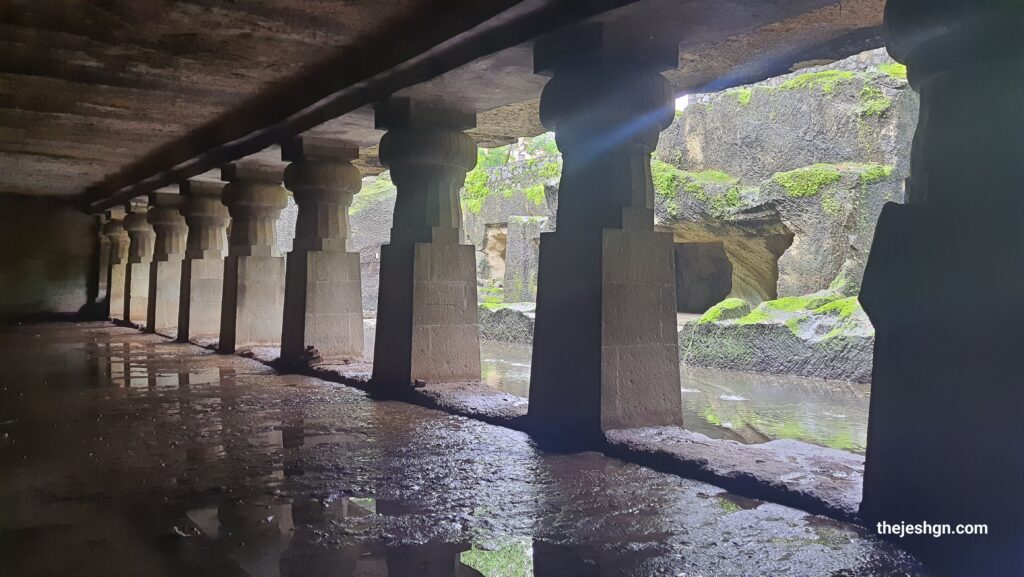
(790, 174)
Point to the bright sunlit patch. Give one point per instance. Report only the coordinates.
(682, 102)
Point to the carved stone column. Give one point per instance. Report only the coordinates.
(202, 270)
(427, 321)
(942, 287)
(605, 353)
(323, 305)
(140, 255)
(253, 302)
(117, 236)
(165, 270)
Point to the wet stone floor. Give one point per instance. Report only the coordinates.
(126, 454)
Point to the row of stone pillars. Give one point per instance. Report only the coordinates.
(605, 354)
(945, 438)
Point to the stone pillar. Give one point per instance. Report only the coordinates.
(140, 255)
(323, 304)
(202, 270)
(253, 301)
(427, 323)
(605, 353)
(117, 236)
(942, 287)
(165, 270)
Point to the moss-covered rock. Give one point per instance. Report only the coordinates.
(824, 335)
(730, 308)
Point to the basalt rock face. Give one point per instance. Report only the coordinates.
(790, 174)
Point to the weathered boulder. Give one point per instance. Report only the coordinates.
(825, 335)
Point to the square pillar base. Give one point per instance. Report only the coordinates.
(202, 289)
(323, 306)
(428, 326)
(605, 350)
(164, 296)
(118, 272)
(253, 302)
(136, 303)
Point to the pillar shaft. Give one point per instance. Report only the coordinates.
(118, 240)
(427, 320)
(945, 438)
(202, 269)
(165, 270)
(605, 353)
(140, 255)
(254, 270)
(323, 312)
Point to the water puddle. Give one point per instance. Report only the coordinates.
(217, 467)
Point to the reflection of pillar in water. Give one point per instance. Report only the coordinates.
(293, 438)
(308, 555)
(256, 533)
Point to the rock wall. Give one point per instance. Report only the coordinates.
(791, 173)
(43, 273)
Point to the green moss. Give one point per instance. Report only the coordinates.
(807, 181)
(742, 95)
(475, 191)
(844, 308)
(717, 312)
(728, 506)
(550, 170)
(873, 102)
(712, 177)
(535, 194)
(798, 304)
(894, 69)
(830, 203)
(722, 204)
(826, 80)
(666, 178)
(492, 157)
(756, 316)
(373, 189)
(874, 173)
(509, 558)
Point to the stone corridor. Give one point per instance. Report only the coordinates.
(169, 459)
(148, 149)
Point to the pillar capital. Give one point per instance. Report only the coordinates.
(141, 235)
(115, 232)
(206, 217)
(966, 60)
(254, 197)
(168, 224)
(322, 180)
(429, 156)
